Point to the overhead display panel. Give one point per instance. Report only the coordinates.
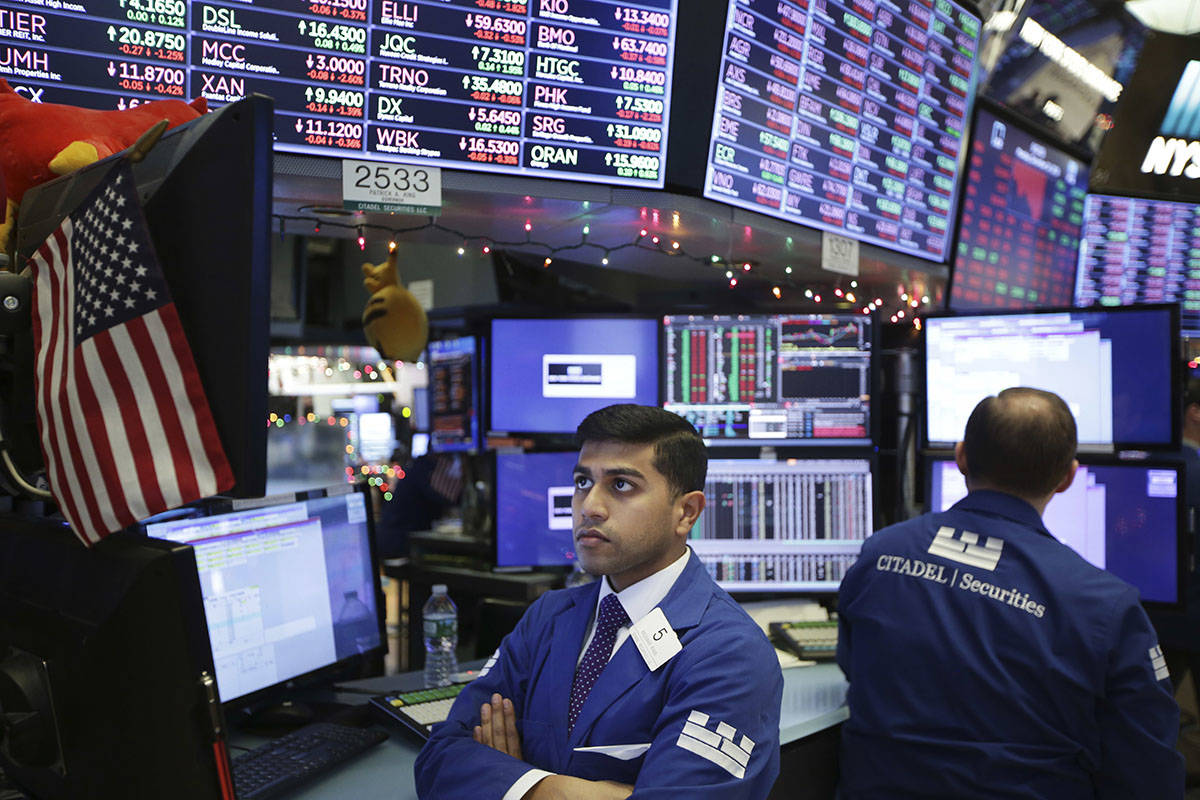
(573, 89)
(847, 116)
(1021, 220)
(1141, 251)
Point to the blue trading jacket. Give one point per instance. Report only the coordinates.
(988, 660)
(707, 720)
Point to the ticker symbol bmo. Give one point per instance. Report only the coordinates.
(1176, 150)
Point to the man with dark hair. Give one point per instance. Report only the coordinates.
(650, 682)
(988, 660)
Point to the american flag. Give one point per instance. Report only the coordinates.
(126, 430)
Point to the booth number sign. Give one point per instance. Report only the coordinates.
(839, 254)
(403, 188)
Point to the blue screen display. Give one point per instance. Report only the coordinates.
(548, 374)
(1120, 517)
(533, 509)
(1113, 368)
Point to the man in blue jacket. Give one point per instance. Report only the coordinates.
(986, 659)
(651, 682)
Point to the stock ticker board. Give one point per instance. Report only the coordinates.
(847, 116)
(573, 89)
(1021, 222)
(1141, 251)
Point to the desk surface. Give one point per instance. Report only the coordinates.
(813, 700)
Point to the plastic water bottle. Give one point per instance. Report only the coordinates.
(440, 620)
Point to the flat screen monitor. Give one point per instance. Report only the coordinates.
(1117, 369)
(1128, 518)
(793, 525)
(549, 89)
(105, 650)
(779, 379)
(291, 589)
(453, 394)
(1021, 220)
(548, 374)
(847, 116)
(533, 509)
(1140, 251)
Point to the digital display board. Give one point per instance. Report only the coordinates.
(847, 116)
(785, 379)
(1022, 212)
(1141, 251)
(453, 394)
(555, 88)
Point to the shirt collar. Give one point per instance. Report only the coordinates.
(1003, 505)
(641, 598)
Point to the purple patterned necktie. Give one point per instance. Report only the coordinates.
(611, 617)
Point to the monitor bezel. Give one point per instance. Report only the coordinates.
(805, 446)
(247, 704)
(1183, 520)
(554, 440)
(1029, 128)
(1174, 390)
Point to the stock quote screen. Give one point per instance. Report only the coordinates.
(1141, 251)
(796, 379)
(847, 116)
(1022, 215)
(564, 88)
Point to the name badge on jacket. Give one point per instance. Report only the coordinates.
(655, 639)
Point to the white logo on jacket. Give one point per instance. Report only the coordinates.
(717, 747)
(1158, 663)
(965, 549)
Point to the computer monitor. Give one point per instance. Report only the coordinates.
(793, 525)
(1140, 251)
(105, 650)
(453, 395)
(849, 117)
(779, 379)
(1129, 518)
(1118, 370)
(1021, 219)
(291, 590)
(533, 509)
(548, 374)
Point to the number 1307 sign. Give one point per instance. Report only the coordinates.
(373, 186)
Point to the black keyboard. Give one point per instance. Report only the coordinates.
(295, 758)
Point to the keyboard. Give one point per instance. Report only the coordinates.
(417, 711)
(295, 758)
(811, 641)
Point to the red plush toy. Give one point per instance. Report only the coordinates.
(40, 141)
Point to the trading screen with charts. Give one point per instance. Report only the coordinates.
(783, 379)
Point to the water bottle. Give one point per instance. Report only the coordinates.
(440, 619)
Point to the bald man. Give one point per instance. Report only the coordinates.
(988, 660)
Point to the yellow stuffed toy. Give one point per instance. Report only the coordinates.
(394, 322)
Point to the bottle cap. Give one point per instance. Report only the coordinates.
(439, 588)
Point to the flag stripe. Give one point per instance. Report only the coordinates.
(114, 507)
(122, 423)
(130, 348)
(143, 335)
(49, 327)
(214, 473)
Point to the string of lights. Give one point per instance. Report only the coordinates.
(643, 240)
